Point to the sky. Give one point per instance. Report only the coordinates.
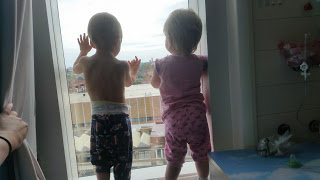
(141, 21)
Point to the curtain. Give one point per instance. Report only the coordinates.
(21, 88)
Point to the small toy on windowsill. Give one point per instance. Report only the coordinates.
(293, 162)
(274, 146)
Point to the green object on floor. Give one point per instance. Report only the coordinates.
(293, 162)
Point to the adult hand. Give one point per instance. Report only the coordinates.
(12, 127)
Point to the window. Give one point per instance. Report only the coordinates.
(52, 36)
(148, 44)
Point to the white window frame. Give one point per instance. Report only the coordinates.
(199, 8)
(61, 80)
(231, 72)
(62, 88)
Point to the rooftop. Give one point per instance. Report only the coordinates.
(134, 91)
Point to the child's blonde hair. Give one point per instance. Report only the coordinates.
(104, 30)
(183, 28)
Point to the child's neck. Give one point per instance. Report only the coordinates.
(104, 53)
(180, 54)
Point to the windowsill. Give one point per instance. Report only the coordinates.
(156, 173)
(248, 164)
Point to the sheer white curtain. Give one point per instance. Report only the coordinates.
(21, 90)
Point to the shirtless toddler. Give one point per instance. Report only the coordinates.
(106, 77)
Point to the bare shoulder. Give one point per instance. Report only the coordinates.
(85, 60)
(81, 64)
(123, 65)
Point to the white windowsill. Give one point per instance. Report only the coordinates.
(151, 172)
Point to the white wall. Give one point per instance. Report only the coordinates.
(252, 89)
(280, 90)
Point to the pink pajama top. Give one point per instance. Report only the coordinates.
(180, 80)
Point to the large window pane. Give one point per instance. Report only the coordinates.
(142, 24)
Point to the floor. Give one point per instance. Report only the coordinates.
(188, 172)
(192, 176)
(247, 164)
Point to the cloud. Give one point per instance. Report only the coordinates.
(141, 20)
(242, 157)
(251, 175)
(309, 170)
(283, 174)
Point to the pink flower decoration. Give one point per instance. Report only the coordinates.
(293, 54)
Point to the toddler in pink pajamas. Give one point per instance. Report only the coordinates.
(178, 78)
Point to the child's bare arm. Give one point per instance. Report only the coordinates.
(205, 84)
(155, 81)
(85, 48)
(132, 71)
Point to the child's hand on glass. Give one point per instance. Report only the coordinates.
(84, 44)
(134, 65)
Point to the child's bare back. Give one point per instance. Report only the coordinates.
(105, 75)
(106, 78)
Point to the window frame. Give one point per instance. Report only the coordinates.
(62, 88)
(61, 80)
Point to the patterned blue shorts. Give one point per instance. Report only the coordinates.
(111, 144)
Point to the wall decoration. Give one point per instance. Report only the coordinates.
(301, 57)
(308, 6)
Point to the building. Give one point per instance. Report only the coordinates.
(147, 129)
(77, 86)
(143, 99)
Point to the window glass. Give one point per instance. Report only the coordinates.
(142, 25)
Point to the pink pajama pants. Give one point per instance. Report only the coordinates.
(186, 125)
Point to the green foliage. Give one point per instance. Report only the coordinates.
(145, 72)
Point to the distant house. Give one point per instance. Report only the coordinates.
(143, 99)
(78, 86)
(157, 135)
